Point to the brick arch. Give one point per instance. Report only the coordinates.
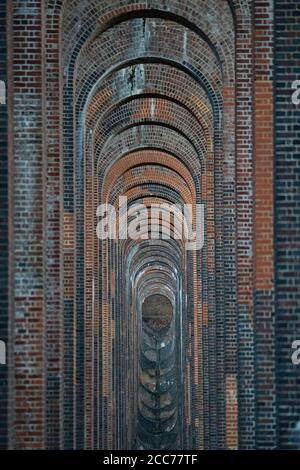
(139, 183)
(195, 15)
(143, 59)
(91, 62)
(239, 163)
(154, 109)
(158, 175)
(135, 160)
(156, 75)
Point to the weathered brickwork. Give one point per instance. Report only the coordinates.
(28, 244)
(162, 102)
(266, 435)
(287, 115)
(244, 228)
(4, 236)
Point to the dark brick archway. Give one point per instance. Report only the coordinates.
(162, 102)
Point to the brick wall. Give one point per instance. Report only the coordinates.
(27, 247)
(287, 147)
(180, 109)
(3, 225)
(264, 302)
(245, 229)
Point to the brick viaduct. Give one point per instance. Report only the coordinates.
(161, 101)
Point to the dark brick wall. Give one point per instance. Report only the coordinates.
(53, 232)
(245, 228)
(264, 302)
(28, 368)
(3, 228)
(287, 193)
(191, 94)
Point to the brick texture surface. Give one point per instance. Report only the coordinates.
(178, 102)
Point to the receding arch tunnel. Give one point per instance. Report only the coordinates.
(157, 426)
(117, 111)
(157, 312)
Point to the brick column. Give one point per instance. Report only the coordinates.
(28, 250)
(229, 272)
(244, 195)
(287, 189)
(264, 229)
(53, 236)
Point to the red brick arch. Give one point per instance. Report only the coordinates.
(122, 83)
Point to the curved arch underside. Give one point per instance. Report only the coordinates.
(158, 102)
(148, 101)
